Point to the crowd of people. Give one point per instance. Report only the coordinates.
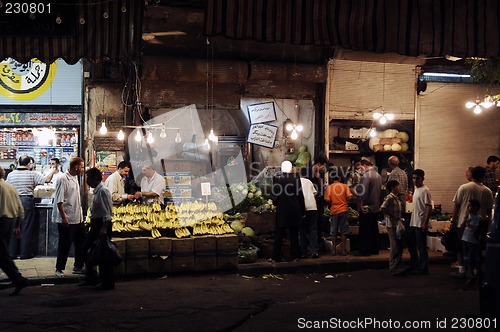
(301, 199)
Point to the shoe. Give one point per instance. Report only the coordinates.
(59, 274)
(78, 270)
(105, 287)
(20, 285)
(457, 274)
(87, 283)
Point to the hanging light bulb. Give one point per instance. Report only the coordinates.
(178, 138)
(377, 115)
(382, 120)
(103, 130)
(212, 136)
(299, 127)
(294, 134)
(373, 132)
(106, 14)
(121, 135)
(163, 133)
(138, 136)
(288, 125)
(82, 20)
(477, 109)
(58, 19)
(207, 145)
(150, 138)
(470, 104)
(389, 116)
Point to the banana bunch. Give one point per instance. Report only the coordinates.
(155, 233)
(182, 232)
(212, 229)
(145, 225)
(121, 227)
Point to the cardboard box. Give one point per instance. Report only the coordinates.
(122, 247)
(205, 262)
(137, 265)
(205, 245)
(344, 132)
(183, 263)
(137, 246)
(358, 133)
(183, 247)
(161, 246)
(227, 243)
(227, 261)
(178, 192)
(351, 146)
(160, 264)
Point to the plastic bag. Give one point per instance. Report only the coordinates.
(103, 250)
(247, 253)
(450, 240)
(400, 229)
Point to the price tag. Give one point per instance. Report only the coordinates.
(205, 189)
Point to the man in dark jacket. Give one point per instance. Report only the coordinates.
(289, 200)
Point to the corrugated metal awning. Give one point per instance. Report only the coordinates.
(463, 28)
(94, 30)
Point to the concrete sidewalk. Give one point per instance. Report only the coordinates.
(40, 270)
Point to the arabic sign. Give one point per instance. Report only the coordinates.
(17, 119)
(114, 123)
(262, 134)
(108, 143)
(37, 83)
(261, 112)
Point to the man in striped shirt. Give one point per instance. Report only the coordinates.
(25, 181)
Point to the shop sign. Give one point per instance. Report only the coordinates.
(262, 134)
(108, 143)
(38, 83)
(18, 119)
(261, 112)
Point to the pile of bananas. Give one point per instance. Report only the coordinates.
(202, 218)
(352, 214)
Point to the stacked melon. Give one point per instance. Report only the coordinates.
(390, 140)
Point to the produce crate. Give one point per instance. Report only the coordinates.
(137, 264)
(183, 247)
(161, 246)
(227, 252)
(138, 246)
(122, 247)
(183, 263)
(205, 245)
(205, 261)
(160, 264)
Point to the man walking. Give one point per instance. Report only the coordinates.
(67, 213)
(11, 215)
(25, 182)
(115, 183)
(490, 180)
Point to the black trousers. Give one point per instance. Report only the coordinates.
(106, 273)
(368, 234)
(6, 263)
(293, 234)
(74, 234)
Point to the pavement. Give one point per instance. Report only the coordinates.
(40, 270)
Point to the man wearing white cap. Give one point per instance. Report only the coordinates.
(289, 200)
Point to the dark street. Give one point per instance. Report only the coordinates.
(368, 300)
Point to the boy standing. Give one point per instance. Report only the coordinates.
(419, 222)
(337, 195)
(471, 229)
(391, 207)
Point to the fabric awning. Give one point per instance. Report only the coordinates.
(462, 28)
(95, 30)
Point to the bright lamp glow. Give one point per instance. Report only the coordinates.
(163, 133)
(299, 128)
(373, 132)
(212, 136)
(470, 104)
(121, 135)
(382, 120)
(477, 109)
(150, 138)
(103, 130)
(138, 136)
(294, 134)
(289, 127)
(377, 115)
(389, 116)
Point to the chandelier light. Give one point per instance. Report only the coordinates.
(488, 102)
(383, 117)
(293, 128)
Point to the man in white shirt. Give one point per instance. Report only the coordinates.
(115, 183)
(152, 186)
(68, 214)
(55, 165)
(310, 222)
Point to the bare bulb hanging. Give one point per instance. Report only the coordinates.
(138, 136)
(150, 138)
(207, 145)
(103, 130)
(121, 135)
(163, 133)
(294, 134)
(212, 136)
(178, 138)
